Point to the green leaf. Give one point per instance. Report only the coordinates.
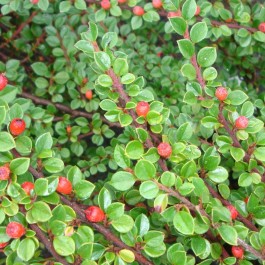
(189, 169)
(6, 142)
(237, 97)
(178, 24)
(188, 71)
(127, 79)
(209, 74)
(19, 166)
(145, 170)
(41, 212)
(105, 80)
(2, 114)
(122, 180)
(93, 29)
(85, 46)
(237, 153)
(186, 47)
(23, 144)
(228, 234)
(43, 4)
(40, 69)
(64, 245)
(121, 159)
(123, 224)
(120, 66)
(218, 175)
(115, 210)
(65, 6)
(206, 56)
(149, 189)
(61, 78)
(134, 149)
(102, 60)
(127, 255)
(259, 153)
(26, 249)
(189, 9)
(80, 4)
(83, 189)
(198, 32)
(184, 223)
(43, 142)
(53, 165)
(136, 22)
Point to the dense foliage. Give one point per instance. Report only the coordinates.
(132, 132)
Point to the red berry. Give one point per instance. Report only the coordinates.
(138, 11)
(233, 211)
(221, 93)
(27, 187)
(17, 126)
(2, 245)
(4, 172)
(142, 108)
(241, 122)
(85, 80)
(262, 27)
(105, 4)
(238, 252)
(94, 214)
(159, 54)
(122, 1)
(174, 14)
(164, 150)
(246, 200)
(15, 230)
(68, 129)
(89, 94)
(157, 4)
(229, 20)
(34, 2)
(3, 81)
(198, 11)
(64, 186)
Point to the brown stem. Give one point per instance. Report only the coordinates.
(19, 29)
(47, 243)
(74, 113)
(100, 228)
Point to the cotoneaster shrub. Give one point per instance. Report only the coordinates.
(132, 132)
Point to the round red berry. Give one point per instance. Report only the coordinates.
(262, 27)
(241, 122)
(122, 1)
(4, 172)
(221, 93)
(94, 214)
(85, 80)
(164, 150)
(64, 186)
(138, 11)
(159, 54)
(68, 129)
(15, 230)
(238, 252)
(105, 4)
(142, 108)
(27, 187)
(17, 126)
(198, 11)
(89, 94)
(233, 211)
(34, 2)
(3, 81)
(3, 245)
(157, 4)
